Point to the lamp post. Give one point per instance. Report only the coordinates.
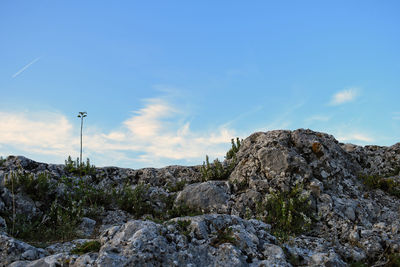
(81, 115)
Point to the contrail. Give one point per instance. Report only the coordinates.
(25, 67)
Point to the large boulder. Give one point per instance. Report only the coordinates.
(211, 196)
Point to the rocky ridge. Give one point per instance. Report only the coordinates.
(292, 198)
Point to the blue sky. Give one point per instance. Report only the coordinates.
(167, 82)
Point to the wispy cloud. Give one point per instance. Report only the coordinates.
(344, 96)
(25, 67)
(155, 135)
(355, 137)
(317, 118)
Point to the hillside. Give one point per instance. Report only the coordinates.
(285, 198)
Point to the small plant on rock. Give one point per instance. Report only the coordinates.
(177, 186)
(74, 167)
(289, 212)
(235, 148)
(183, 227)
(389, 185)
(134, 200)
(216, 170)
(89, 246)
(181, 210)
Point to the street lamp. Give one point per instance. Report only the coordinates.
(81, 115)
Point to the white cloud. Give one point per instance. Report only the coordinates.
(47, 133)
(155, 135)
(344, 96)
(355, 137)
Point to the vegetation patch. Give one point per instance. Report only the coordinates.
(242, 185)
(135, 201)
(182, 210)
(2, 161)
(90, 246)
(288, 212)
(73, 167)
(183, 227)
(215, 170)
(37, 187)
(235, 148)
(389, 185)
(177, 186)
(224, 235)
(57, 224)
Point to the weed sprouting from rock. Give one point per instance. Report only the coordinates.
(389, 185)
(89, 246)
(235, 148)
(134, 200)
(216, 170)
(288, 212)
(76, 168)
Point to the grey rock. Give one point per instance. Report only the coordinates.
(12, 250)
(86, 227)
(3, 225)
(211, 196)
(353, 222)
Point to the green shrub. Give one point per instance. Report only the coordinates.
(242, 185)
(181, 210)
(90, 246)
(183, 227)
(394, 260)
(175, 187)
(37, 188)
(134, 201)
(2, 161)
(388, 185)
(235, 148)
(289, 212)
(75, 168)
(216, 171)
(57, 224)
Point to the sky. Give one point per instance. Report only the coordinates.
(168, 82)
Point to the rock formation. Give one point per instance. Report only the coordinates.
(292, 198)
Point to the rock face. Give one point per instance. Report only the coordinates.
(346, 195)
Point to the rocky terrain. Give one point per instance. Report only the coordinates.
(280, 198)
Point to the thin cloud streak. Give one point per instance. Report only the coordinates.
(25, 67)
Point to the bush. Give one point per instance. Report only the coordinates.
(181, 210)
(75, 168)
(37, 188)
(289, 212)
(57, 224)
(388, 185)
(175, 187)
(235, 148)
(134, 201)
(2, 161)
(216, 171)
